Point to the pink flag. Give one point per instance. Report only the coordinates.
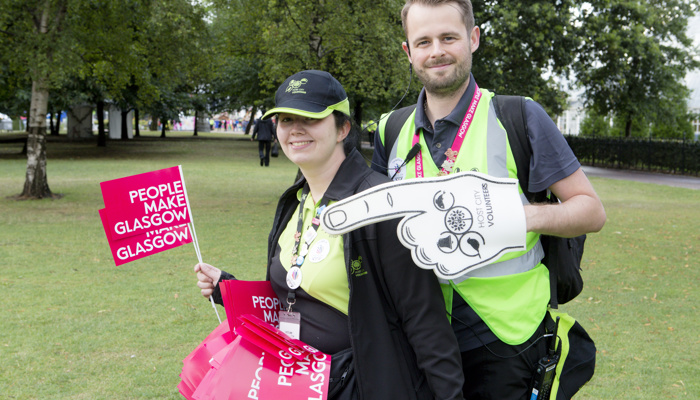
(250, 297)
(136, 247)
(122, 222)
(269, 338)
(145, 214)
(147, 188)
(196, 365)
(248, 372)
(141, 203)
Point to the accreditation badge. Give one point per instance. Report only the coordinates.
(290, 323)
(397, 169)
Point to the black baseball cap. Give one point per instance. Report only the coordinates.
(313, 94)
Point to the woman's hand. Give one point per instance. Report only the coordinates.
(207, 276)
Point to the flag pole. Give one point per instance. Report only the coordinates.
(194, 237)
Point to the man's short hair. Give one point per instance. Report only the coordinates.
(465, 6)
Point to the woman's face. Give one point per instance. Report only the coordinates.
(310, 143)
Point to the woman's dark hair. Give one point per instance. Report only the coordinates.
(353, 139)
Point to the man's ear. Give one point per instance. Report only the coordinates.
(407, 50)
(474, 37)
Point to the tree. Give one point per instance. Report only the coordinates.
(358, 42)
(633, 59)
(173, 73)
(524, 45)
(15, 87)
(594, 125)
(121, 50)
(37, 28)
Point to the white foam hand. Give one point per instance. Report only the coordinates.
(452, 224)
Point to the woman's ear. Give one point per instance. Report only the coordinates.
(344, 131)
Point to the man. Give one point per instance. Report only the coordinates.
(264, 130)
(371, 128)
(498, 312)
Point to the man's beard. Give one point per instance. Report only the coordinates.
(446, 84)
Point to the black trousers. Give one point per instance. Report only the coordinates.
(503, 375)
(264, 150)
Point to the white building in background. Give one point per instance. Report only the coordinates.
(693, 82)
(569, 122)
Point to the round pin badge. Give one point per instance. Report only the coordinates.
(396, 169)
(304, 250)
(319, 251)
(294, 278)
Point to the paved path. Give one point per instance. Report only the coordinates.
(689, 182)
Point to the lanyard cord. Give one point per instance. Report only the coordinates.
(299, 254)
(453, 151)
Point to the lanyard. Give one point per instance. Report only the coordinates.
(453, 151)
(299, 253)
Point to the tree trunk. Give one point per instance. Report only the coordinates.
(137, 131)
(196, 115)
(101, 137)
(58, 122)
(628, 126)
(52, 129)
(162, 127)
(358, 113)
(252, 118)
(36, 185)
(125, 131)
(358, 123)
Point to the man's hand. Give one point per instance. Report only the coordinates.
(207, 278)
(579, 212)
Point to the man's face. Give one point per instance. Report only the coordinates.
(440, 47)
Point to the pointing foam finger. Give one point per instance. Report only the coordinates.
(452, 224)
(386, 201)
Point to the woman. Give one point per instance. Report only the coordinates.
(360, 296)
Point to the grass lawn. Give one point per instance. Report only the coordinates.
(74, 326)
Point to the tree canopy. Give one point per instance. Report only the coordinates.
(633, 59)
(524, 45)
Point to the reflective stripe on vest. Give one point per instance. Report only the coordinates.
(510, 295)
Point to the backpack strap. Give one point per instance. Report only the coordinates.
(510, 110)
(394, 123)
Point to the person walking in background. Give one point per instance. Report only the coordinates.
(371, 129)
(264, 131)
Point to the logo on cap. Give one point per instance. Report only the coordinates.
(295, 86)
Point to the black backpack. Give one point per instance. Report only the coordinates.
(562, 256)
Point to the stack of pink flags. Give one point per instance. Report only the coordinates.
(251, 357)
